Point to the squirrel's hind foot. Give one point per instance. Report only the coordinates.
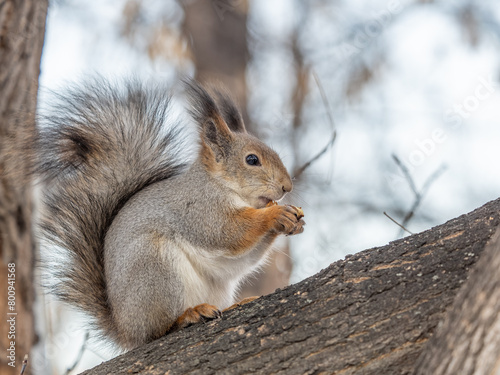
(193, 315)
(242, 302)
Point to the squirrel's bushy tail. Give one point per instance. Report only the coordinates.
(100, 145)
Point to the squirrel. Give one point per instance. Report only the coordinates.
(151, 243)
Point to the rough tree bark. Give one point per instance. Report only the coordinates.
(371, 313)
(22, 26)
(468, 341)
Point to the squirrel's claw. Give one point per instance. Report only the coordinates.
(299, 228)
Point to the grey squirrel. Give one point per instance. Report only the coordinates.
(152, 244)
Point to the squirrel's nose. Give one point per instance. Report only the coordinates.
(287, 186)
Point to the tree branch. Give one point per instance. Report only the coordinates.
(395, 222)
(418, 194)
(298, 172)
(468, 341)
(371, 313)
(301, 170)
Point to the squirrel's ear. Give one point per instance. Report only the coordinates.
(229, 111)
(214, 131)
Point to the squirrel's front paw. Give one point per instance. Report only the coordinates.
(289, 220)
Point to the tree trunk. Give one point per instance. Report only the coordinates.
(371, 313)
(22, 27)
(468, 341)
(217, 34)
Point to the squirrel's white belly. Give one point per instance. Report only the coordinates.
(210, 277)
(201, 283)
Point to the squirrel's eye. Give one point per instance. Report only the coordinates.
(253, 160)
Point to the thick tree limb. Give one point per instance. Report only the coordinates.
(468, 341)
(371, 313)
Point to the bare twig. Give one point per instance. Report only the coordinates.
(301, 170)
(329, 112)
(325, 100)
(438, 172)
(407, 174)
(395, 222)
(25, 363)
(316, 157)
(418, 194)
(80, 354)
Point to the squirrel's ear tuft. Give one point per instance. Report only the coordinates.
(229, 111)
(214, 131)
